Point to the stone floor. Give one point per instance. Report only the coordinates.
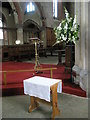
(69, 105)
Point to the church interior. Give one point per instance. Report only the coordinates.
(28, 49)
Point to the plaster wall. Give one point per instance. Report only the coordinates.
(48, 13)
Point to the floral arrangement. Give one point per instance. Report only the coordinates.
(67, 30)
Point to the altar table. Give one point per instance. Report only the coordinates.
(39, 89)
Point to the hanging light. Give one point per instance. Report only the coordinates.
(17, 42)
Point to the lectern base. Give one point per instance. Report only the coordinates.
(38, 72)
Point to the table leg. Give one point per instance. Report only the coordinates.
(55, 109)
(33, 104)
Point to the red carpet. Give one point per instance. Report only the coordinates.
(15, 80)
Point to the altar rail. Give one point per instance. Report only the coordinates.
(31, 70)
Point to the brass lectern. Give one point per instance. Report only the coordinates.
(36, 41)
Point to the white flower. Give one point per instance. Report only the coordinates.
(73, 38)
(66, 26)
(55, 33)
(74, 22)
(61, 35)
(68, 20)
(67, 29)
(72, 29)
(58, 42)
(67, 15)
(64, 38)
(69, 39)
(59, 27)
(75, 26)
(69, 34)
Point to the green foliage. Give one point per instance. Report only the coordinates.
(68, 29)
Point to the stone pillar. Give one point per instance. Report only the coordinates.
(77, 46)
(20, 35)
(81, 49)
(43, 37)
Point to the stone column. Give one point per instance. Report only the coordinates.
(81, 49)
(77, 46)
(43, 37)
(20, 34)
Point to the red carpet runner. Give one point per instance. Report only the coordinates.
(15, 80)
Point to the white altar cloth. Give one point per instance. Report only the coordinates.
(40, 87)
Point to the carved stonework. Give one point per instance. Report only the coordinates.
(77, 70)
(84, 80)
(81, 77)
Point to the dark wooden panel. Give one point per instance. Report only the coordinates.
(69, 56)
(17, 52)
(50, 37)
(12, 52)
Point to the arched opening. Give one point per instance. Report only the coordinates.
(3, 31)
(9, 27)
(30, 7)
(30, 29)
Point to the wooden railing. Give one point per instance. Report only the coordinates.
(30, 70)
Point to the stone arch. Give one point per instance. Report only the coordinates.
(17, 7)
(18, 18)
(14, 10)
(29, 21)
(30, 29)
